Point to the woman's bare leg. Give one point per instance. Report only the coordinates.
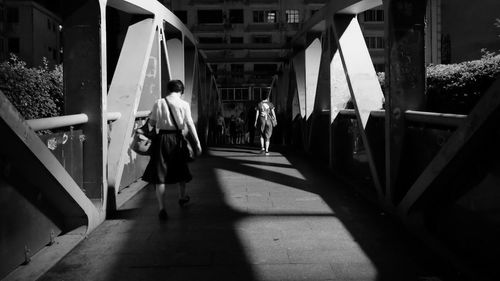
(183, 198)
(160, 195)
(182, 190)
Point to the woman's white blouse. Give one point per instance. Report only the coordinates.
(161, 117)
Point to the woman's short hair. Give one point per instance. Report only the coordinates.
(175, 86)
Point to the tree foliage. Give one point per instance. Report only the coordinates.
(35, 92)
(456, 88)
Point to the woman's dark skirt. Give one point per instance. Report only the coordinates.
(166, 165)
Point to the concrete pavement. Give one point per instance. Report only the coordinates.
(252, 217)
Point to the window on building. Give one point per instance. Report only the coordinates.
(210, 16)
(182, 15)
(244, 94)
(260, 93)
(12, 15)
(224, 94)
(292, 16)
(232, 94)
(14, 46)
(375, 42)
(256, 93)
(237, 70)
(264, 67)
(374, 15)
(265, 16)
(236, 16)
(379, 67)
(264, 92)
(237, 67)
(262, 39)
(210, 40)
(314, 12)
(237, 94)
(289, 39)
(236, 40)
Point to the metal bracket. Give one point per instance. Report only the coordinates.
(27, 255)
(52, 237)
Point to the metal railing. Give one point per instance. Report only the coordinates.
(73, 120)
(432, 118)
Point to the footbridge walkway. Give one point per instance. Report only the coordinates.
(370, 191)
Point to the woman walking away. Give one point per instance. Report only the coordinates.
(167, 165)
(264, 113)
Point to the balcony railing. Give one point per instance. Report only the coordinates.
(262, 27)
(206, 2)
(213, 27)
(260, 2)
(315, 1)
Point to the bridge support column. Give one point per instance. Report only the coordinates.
(404, 78)
(85, 86)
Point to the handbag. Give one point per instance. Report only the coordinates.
(141, 142)
(185, 148)
(273, 120)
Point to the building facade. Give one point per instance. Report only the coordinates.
(244, 41)
(31, 32)
(468, 27)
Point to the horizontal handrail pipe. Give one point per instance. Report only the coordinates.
(432, 118)
(57, 122)
(113, 116)
(444, 119)
(142, 114)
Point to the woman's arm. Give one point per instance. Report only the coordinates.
(192, 129)
(256, 118)
(153, 116)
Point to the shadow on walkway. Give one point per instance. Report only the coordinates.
(252, 217)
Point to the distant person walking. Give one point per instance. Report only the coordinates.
(220, 129)
(167, 165)
(265, 117)
(240, 129)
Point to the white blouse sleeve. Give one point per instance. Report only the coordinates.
(188, 118)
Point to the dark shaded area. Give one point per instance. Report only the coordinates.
(201, 242)
(461, 206)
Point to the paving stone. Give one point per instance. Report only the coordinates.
(250, 218)
(274, 272)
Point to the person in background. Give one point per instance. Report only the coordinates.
(263, 115)
(232, 130)
(167, 165)
(240, 129)
(220, 129)
(250, 120)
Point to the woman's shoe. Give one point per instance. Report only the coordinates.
(184, 201)
(162, 215)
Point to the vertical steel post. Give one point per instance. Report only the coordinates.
(405, 77)
(85, 85)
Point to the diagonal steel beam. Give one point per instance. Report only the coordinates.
(24, 149)
(481, 113)
(361, 79)
(125, 92)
